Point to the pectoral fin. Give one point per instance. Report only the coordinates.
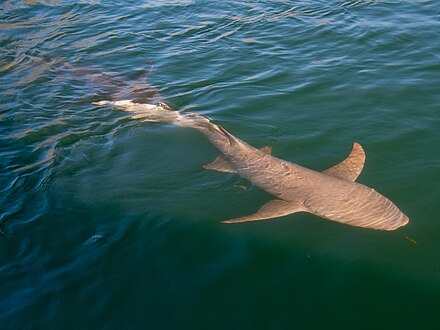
(273, 209)
(350, 168)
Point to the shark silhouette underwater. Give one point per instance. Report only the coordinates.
(332, 194)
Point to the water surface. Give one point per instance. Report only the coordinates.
(106, 222)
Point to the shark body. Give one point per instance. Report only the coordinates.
(332, 194)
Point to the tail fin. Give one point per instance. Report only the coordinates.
(159, 113)
(148, 70)
(232, 139)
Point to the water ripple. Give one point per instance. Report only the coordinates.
(90, 198)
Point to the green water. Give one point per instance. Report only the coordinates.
(110, 223)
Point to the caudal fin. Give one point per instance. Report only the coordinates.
(160, 112)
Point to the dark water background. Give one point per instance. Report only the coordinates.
(108, 223)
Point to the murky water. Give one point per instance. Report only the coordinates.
(106, 222)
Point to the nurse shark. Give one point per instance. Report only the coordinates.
(332, 194)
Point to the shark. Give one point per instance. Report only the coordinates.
(332, 194)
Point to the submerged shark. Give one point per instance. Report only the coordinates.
(332, 194)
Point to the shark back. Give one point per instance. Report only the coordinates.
(355, 204)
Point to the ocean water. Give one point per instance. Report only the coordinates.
(111, 223)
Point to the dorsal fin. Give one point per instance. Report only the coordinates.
(350, 168)
(267, 150)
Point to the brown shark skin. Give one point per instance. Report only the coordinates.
(301, 189)
(332, 194)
